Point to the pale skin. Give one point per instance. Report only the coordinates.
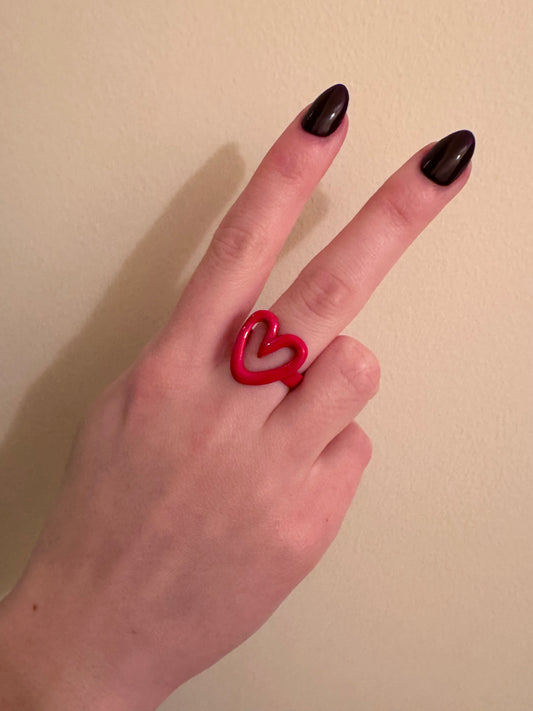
(193, 504)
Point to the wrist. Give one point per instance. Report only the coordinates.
(55, 658)
(16, 689)
(39, 670)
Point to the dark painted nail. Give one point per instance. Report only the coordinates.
(327, 111)
(445, 162)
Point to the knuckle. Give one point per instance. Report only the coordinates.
(296, 541)
(363, 445)
(324, 292)
(237, 241)
(148, 382)
(358, 366)
(397, 206)
(289, 163)
(359, 445)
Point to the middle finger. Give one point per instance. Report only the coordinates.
(337, 282)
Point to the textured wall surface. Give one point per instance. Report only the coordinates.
(127, 129)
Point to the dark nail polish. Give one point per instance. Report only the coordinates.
(327, 111)
(445, 162)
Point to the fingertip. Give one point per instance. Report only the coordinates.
(415, 196)
(301, 158)
(447, 159)
(335, 138)
(325, 114)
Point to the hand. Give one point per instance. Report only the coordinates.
(194, 504)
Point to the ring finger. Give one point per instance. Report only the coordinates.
(344, 377)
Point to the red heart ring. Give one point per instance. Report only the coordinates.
(287, 373)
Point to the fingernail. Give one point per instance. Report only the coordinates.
(445, 162)
(327, 111)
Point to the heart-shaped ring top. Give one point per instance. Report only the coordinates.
(287, 373)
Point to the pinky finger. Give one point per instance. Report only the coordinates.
(337, 472)
(352, 447)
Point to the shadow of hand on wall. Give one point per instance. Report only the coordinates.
(133, 308)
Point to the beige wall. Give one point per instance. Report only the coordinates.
(127, 128)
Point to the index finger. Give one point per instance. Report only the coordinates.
(245, 246)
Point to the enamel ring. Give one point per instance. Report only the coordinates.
(287, 373)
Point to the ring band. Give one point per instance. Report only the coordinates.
(287, 373)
